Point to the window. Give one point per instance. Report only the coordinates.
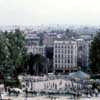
(55, 65)
(68, 61)
(71, 51)
(55, 61)
(55, 56)
(65, 61)
(62, 56)
(68, 51)
(55, 45)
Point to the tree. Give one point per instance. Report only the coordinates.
(40, 64)
(49, 52)
(95, 54)
(30, 63)
(37, 64)
(49, 55)
(12, 52)
(3, 51)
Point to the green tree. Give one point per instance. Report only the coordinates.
(3, 48)
(95, 54)
(16, 47)
(12, 52)
(38, 64)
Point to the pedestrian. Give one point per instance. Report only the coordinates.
(96, 92)
(91, 93)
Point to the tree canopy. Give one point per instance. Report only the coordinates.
(95, 54)
(37, 64)
(12, 52)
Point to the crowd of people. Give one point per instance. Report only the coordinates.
(59, 85)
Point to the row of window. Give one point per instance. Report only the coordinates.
(63, 56)
(36, 49)
(63, 51)
(63, 66)
(64, 46)
(69, 61)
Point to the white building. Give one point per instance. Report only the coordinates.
(65, 55)
(36, 49)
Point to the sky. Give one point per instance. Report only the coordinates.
(28, 12)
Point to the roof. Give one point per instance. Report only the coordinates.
(32, 36)
(80, 75)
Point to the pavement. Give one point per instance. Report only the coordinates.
(47, 98)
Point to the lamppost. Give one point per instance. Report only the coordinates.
(0, 96)
(26, 94)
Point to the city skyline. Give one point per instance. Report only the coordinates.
(28, 12)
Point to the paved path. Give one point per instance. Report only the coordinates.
(47, 98)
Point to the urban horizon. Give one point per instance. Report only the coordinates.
(49, 50)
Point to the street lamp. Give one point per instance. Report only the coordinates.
(26, 94)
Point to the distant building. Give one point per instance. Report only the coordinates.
(37, 50)
(83, 47)
(32, 39)
(65, 56)
(80, 54)
(49, 39)
(86, 52)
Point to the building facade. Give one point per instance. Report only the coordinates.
(49, 39)
(32, 40)
(65, 55)
(37, 49)
(83, 47)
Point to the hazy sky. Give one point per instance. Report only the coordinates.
(28, 12)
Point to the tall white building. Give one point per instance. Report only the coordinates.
(65, 55)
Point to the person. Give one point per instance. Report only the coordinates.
(26, 91)
(0, 96)
(74, 95)
(96, 92)
(91, 93)
(9, 91)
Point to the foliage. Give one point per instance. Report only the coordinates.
(37, 64)
(49, 52)
(95, 54)
(49, 55)
(12, 83)
(12, 52)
